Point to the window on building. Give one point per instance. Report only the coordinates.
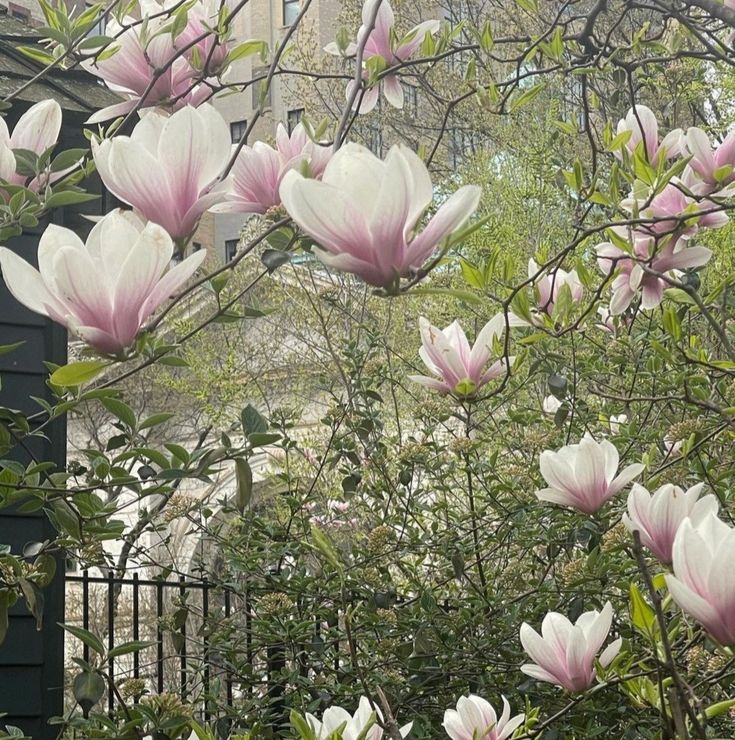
(293, 118)
(237, 130)
(411, 100)
(231, 249)
(19, 12)
(290, 11)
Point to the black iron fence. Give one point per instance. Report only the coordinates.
(175, 616)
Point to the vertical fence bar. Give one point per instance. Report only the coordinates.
(110, 638)
(205, 632)
(159, 635)
(136, 626)
(182, 592)
(228, 680)
(85, 610)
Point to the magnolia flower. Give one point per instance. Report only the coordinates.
(702, 583)
(616, 421)
(641, 122)
(551, 404)
(673, 212)
(148, 69)
(462, 370)
(714, 167)
(657, 516)
(672, 447)
(381, 42)
(259, 170)
(549, 286)
(364, 212)
(632, 279)
(334, 717)
(167, 169)
(564, 653)
(210, 52)
(102, 291)
(475, 719)
(583, 476)
(607, 321)
(37, 130)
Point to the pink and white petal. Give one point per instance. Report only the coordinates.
(102, 341)
(7, 163)
(132, 174)
(170, 283)
(25, 283)
(625, 477)
(366, 100)
(557, 472)
(190, 219)
(367, 271)
(326, 214)
(652, 293)
(539, 650)
(691, 602)
(111, 240)
(380, 35)
(511, 726)
(433, 383)
(393, 90)
(52, 240)
(417, 35)
(79, 288)
(390, 212)
(139, 274)
(421, 191)
(535, 671)
(112, 111)
(38, 128)
(454, 726)
(698, 144)
(554, 496)
(358, 174)
(610, 652)
(692, 557)
(597, 630)
(441, 352)
(452, 215)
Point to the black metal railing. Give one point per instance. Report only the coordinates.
(175, 616)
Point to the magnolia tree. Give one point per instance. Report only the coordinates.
(523, 529)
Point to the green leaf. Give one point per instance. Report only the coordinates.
(472, 275)
(6, 601)
(89, 639)
(274, 258)
(715, 710)
(5, 348)
(246, 49)
(155, 420)
(260, 439)
(68, 198)
(526, 96)
(244, 476)
(641, 613)
(461, 295)
(252, 421)
(301, 726)
(121, 410)
(325, 547)
(76, 373)
(130, 647)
